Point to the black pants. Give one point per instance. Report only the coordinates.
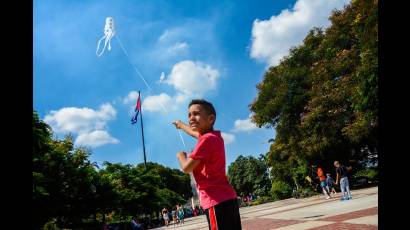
(224, 216)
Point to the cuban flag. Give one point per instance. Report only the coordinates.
(137, 111)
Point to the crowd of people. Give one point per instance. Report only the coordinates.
(246, 200)
(177, 215)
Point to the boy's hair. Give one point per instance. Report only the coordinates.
(205, 104)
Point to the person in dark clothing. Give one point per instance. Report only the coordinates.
(329, 184)
(341, 172)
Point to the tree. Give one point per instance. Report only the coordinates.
(145, 191)
(322, 97)
(66, 185)
(63, 179)
(41, 144)
(68, 188)
(249, 175)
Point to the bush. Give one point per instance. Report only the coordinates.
(51, 225)
(262, 200)
(373, 174)
(280, 190)
(307, 192)
(370, 173)
(265, 199)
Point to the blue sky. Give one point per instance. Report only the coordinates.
(216, 50)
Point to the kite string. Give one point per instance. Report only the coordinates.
(143, 79)
(135, 68)
(194, 186)
(182, 139)
(139, 73)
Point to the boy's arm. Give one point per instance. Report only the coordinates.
(187, 164)
(337, 178)
(181, 125)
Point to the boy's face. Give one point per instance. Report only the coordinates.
(199, 119)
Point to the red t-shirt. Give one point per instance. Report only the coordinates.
(210, 174)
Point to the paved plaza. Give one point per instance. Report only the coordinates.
(310, 213)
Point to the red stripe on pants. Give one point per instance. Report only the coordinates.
(212, 219)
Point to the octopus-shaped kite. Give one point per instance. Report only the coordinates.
(108, 35)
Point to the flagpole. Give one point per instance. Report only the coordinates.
(142, 130)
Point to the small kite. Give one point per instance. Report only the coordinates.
(109, 33)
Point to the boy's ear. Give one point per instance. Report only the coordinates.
(212, 117)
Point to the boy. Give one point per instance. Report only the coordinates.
(322, 180)
(207, 162)
(341, 172)
(329, 184)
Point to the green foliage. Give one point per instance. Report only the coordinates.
(369, 173)
(322, 98)
(145, 191)
(51, 225)
(249, 175)
(262, 200)
(306, 192)
(69, 192)
(280, 190)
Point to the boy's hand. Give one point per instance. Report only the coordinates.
(181, 125)
(180, 154)
(178, 124)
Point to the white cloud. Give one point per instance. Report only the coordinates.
(164, 36)
(272, 39)
(172, 43)
(162, 77)
(176, 33)
(131, 98)
(178, 48)
(189, 79)
(244, 125)
(179, 41)
(228, 138)
(181, 98)
(95, 139)
(158, 103)
(77, 120)
(193, 78)
(83, 121)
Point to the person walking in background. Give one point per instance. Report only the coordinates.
(341, 173)
(174, 216)
(165, 216)
(181, 214)
(329, 184)
(322, 179)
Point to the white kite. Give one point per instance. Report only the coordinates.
(109, 33)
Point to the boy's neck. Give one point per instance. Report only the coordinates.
(208, 131)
